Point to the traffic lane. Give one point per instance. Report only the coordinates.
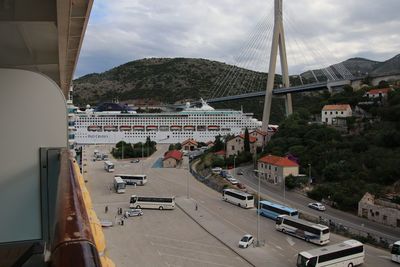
(300, 201)
(245, 221)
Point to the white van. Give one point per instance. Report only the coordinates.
(216, 170)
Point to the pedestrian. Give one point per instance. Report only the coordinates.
(106, 209)
(196, 207)
(122, 221)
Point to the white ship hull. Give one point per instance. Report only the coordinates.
(159, 137)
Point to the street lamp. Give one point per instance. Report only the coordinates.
(234, 164)
(258, 244)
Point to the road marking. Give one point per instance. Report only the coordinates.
(290, 241)
(193, 259)
(186, 249)
(188, 242)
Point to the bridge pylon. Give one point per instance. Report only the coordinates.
(278, 41)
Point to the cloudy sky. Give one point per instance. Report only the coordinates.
(318, 33)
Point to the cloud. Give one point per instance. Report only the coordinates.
(318, 33)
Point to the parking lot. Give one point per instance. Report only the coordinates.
(158, 238)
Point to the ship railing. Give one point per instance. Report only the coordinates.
(73, 243)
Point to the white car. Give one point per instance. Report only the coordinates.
(317, 206)
(246, 241)
(233, 181)
(134, 212)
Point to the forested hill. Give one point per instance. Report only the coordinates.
(165, 79)
(175, 79)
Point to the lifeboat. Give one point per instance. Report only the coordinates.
(152, 128)
(176, 128)
(94, 128)
(110, 128)
(125, 128)
(213, 128)
(164, 128)
(189, 128)
(138, 128)
(201, 128)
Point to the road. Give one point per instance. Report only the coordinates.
(300, 202)
(171, 238)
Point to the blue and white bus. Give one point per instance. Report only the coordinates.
(273, 210)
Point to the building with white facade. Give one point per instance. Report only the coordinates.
(330, 113)
(377, 93)
(274, 169)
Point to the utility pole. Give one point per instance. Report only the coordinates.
(278, 41)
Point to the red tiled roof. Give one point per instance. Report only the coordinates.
(220, 153)
(377, 91)
(252, 139)
(175, 154)
(278, 161)
(259, 132)
(190, 141)
(337, 107)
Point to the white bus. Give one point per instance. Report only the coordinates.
(348, 253)
(311, 232)
(133, 179)
(109, 166)
(119, 185)
(238, 197)
(396, 252)
(161, 203)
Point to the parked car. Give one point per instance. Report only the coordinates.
(233, 181)
(135, 161)
(134, 212)
(228, 176)
(246, 241)
(216, 170)
(317, 206)
(240, 172)
(241, 186)
(223, 173)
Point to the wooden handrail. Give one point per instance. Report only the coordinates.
(73, 243)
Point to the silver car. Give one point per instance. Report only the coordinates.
(317, 206)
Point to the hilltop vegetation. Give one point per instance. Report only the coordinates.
(178, 79)
(345, 166)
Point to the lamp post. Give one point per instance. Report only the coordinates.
(258, 244)
(309, 173)
(142, 158)
(234, 165)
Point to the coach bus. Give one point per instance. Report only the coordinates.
(133, 179)
(109, 166)
(310, 232)
(347, 253)
(273, 210)
(238, 197)
(396, 252)
(119, 185)
(161, 203)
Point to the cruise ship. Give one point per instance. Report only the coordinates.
(112, 122)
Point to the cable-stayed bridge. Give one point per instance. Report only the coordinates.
(239, 83)
(282, 91)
